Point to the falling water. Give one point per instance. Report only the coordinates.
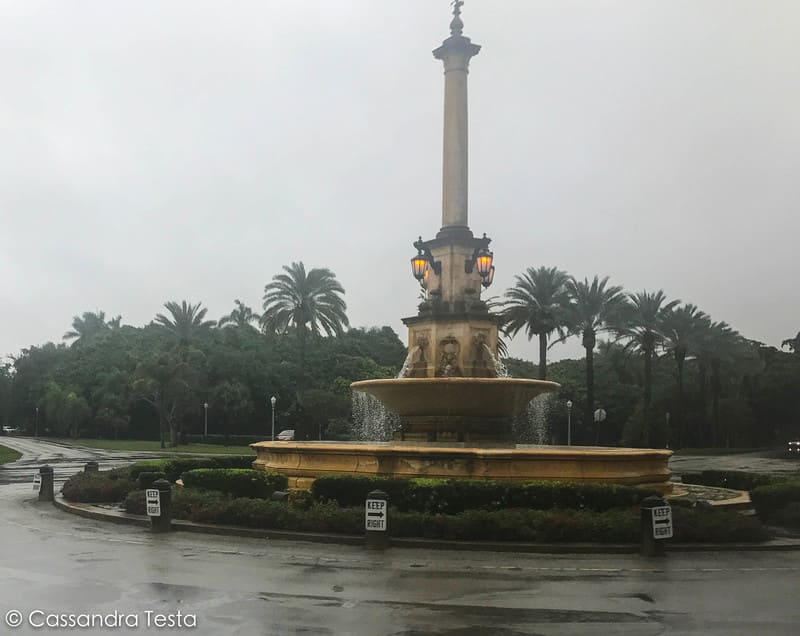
(371, 421)
(499, 367)
(533, 426)
(404, 369)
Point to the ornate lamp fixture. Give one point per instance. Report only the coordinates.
(489, 278)
(418, 266)
(423, 262)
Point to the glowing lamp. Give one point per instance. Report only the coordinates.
(483, 261)
(418, 266)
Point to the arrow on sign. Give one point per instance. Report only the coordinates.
(375, 514)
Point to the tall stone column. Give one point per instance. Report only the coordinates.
(455, 52)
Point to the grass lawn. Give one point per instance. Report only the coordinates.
(7, 455)
(147, 445)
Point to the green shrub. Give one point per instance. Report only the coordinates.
(788, 516)
(237, 482)
(767, 500)
(145, 480)
(174, 467)
(735, 479)
(716, 526)
(97, 487)
(134, 502)
(454, 496)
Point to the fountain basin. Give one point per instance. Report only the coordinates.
(464, 397)
(303, 462)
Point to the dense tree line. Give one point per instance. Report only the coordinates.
(663, 371)
(668, 374)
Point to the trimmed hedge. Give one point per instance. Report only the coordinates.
(174, 467)
(788, 516)
(451, 497)
(768, 500)
(104, 487)
(551, 526)
(237, 482)
(735, 479)
(145, 480)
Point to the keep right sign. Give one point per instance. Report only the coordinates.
(662, 522)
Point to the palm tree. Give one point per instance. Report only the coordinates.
(717, 343)
(538, 302)
(594, 308)
(792, 343)
(644, 329)
(185, 321)
(90, 324)
(308, 302)
(681, 329)
(241, 316)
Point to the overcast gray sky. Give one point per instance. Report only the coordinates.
(154, 151)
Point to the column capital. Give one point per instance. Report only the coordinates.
(456, 46)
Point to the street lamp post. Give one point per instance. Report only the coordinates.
(205, 424)
(569, 422)
(36, 424)
(667, 432)
(272, 401)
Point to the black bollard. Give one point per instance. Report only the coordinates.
(656, 526)
(376, 520)
(159, 505)
(46, 487)
(91, 467)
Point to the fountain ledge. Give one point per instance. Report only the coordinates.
(303, 462)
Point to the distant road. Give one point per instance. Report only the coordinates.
(65, 459)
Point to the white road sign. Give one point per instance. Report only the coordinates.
(37, 482)
(375, 510)
(153, 499)
(662, 522)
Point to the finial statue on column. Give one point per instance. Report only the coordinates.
(457, 26)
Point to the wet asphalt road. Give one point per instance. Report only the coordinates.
(59, 563)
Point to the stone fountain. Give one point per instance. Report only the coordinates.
(455, 408)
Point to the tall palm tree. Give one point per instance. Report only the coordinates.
(682, 328)
(792, 343)
(717, 343)
(595, 308)
(307, 302)
(185, 321)
(538, 302)
(89, 324)
(241, 316)
(643, 327)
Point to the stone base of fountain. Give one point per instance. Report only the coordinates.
(303, 462)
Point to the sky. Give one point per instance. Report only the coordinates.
(154, 151)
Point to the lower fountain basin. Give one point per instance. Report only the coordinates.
(303, 462)
(465, 397)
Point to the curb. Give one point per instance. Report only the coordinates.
(101, 514)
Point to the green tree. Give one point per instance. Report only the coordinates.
(307, 303)
(90, 324)
(230, 405)
(643, 327)
(242, 317)
(793, 344)
(682, 328)
(185, 321)
(162, 380)
(595, 308)
(539, 304)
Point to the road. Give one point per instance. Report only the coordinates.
(57, 563)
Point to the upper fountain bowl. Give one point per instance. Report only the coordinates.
(466, 397)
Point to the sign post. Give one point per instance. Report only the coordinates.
(45, 489)
(656, 526)
(37, 482)
(159, 505)
(376, 521)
